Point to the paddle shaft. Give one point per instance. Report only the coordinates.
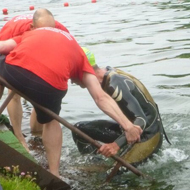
(72, 128)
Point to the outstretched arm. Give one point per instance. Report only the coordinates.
(7, 46)
(109, 106)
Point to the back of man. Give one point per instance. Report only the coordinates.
(52, 53)
(132, 97)
(20, 24)
(16, 26)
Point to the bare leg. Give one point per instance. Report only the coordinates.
(52, 140)
(14, 109)
(35, 126)
(1, 91)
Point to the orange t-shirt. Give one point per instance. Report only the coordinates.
(20, 24)
(52, 54)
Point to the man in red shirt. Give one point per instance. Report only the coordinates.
(15, 27)
(20, 24)
(43, 75)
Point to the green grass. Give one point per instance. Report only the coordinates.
(12, 179)
(16, 183)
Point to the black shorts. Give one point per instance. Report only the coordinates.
(34, 88)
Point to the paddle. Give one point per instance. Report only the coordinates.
(74, 129)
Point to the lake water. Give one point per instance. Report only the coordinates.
(148, 39)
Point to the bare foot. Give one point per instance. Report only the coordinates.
(25, 146)
(23, 142)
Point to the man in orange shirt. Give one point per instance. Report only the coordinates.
(15, 27)
(43, 75)
(22, 23)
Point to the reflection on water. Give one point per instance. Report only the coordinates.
(150, 40)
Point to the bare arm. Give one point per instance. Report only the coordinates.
(109, 106)
(7, 46)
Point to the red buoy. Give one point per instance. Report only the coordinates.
(31, 7)
(66, 4)
(93, 1)
(5, 11)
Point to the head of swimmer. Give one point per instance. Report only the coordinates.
(42, 18)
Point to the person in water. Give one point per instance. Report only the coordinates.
(138, 106)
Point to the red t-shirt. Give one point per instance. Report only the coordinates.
(20, 24)
(52, 54)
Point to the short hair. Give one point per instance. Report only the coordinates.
(43, 18)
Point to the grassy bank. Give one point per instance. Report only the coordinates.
(13, 179)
